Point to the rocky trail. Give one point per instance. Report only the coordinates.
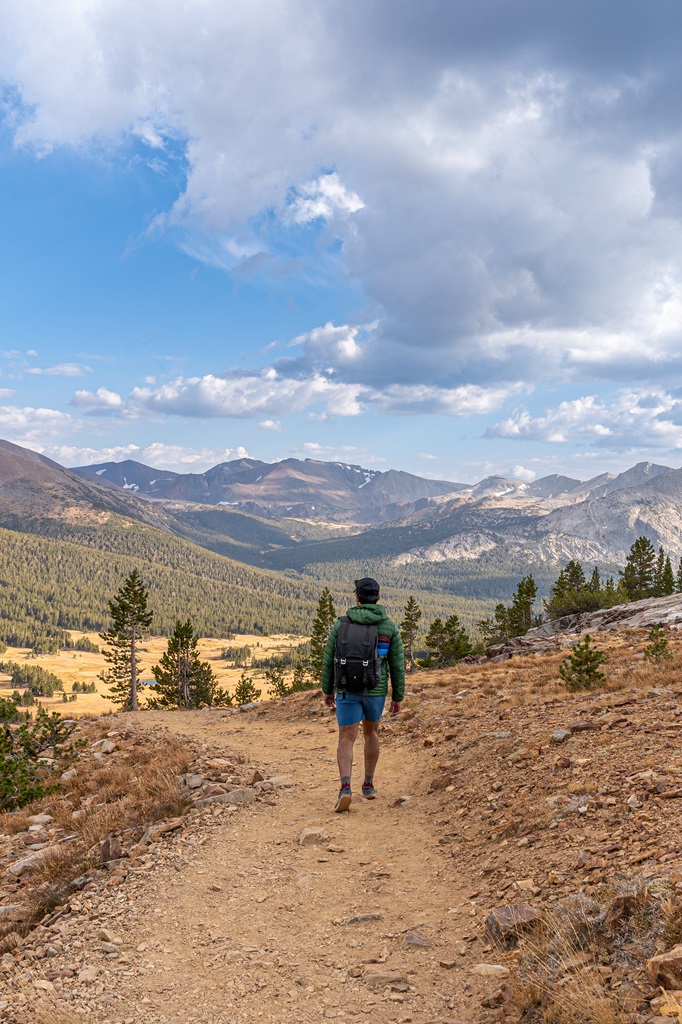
(280, 911)
(523, 862)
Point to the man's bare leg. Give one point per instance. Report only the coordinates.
(371, 733)
(344, 754)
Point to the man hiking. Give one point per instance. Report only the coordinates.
(363, 649)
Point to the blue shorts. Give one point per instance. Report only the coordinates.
(353, 708)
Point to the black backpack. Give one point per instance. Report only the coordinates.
(357, 668)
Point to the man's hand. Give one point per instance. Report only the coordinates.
(329, 700)
(394, 710)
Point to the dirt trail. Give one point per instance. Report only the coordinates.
(246, 925)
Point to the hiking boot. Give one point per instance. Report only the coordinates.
(345, 798)
(368, 791)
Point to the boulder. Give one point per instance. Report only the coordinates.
(666, 968)
(508, 922)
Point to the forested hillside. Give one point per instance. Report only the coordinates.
(47, 584)
(64, 581)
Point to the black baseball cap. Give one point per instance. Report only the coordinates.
(367, 589)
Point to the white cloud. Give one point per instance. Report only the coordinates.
(27, 426)
(7, 392)
(522, 473)
(270, 425)
(102, 402)
(426, 455)
(60, 370)
(490, 174)
(323, 198)
(176, 458)
(467, 400)
(636, 418)
(245, 396)
(506, 195)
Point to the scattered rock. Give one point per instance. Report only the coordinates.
(281, 781)
(491, 970)
(561, 735)
(621, 909)
(40, 819)
(26, 863)
(194, 780)
(111, 849)
(88, 974)
(511, 920)
(666, 968)
(313, 836)
(415, 938)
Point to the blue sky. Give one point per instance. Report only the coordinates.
(445, 238)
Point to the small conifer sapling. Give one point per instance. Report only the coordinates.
(582, 668)
(657, 650)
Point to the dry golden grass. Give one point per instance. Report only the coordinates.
(119, 798)
(557, 976)
(671, 917)
(84, 667)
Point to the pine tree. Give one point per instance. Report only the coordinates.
(324, 620)
(581, 670)
(246, 691)
(275, 678)
(638, 576)
(495, 630)
(595, 581)
(659, 569)
(678, 578)
(521, 611)
(457, 642)
(435, 642)
(183, 680)
(409, 628)
(131, 620)
(668, 579)
(657, 649)
(448, 642)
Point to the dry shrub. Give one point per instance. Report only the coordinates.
(557, 975)
(671, 919)
(129, 798)
(54, 1015)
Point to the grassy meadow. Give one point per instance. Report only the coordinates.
(83, 667)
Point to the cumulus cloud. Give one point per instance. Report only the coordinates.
(175, 458)
(27, 426)
(502, 178)
(7, 392)
(522, 473)
(245, 396)
(102, 402)
(270, 392)
(636, 418)
(322, 199)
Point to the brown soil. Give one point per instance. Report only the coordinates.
(256, 928)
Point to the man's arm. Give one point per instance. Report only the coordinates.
(396, 670)
(328, 664)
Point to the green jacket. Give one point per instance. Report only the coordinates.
(392, 664)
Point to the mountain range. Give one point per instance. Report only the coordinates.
(316, 522)
(410, 519)
(293, 488)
